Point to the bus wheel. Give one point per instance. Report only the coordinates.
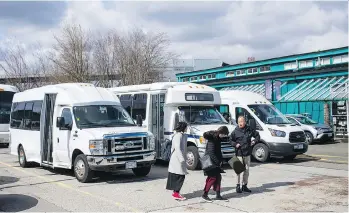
(22, 159)
(82, 171)
(141, 172)
(192, 157)
(260, 152)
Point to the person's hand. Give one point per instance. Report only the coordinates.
(237, 145)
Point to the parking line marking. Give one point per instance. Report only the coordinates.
(329, 156)
(63, 185)
(333, 161)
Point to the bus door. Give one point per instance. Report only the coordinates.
(157, 121)
(46, 127)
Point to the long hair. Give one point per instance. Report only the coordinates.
(181, 126)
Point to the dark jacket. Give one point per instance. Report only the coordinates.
(243, 137)
(213, 149)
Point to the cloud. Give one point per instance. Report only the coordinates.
(231, 31)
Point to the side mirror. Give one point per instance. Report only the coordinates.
(60, 122)
(139, 120)
(252, 123)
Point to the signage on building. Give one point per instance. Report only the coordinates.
(339, 114)
(251, 59)
(277, 88)
(268, 90)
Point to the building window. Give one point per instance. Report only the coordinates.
(211, 76)
(289, 66)
(323, 61)
(264, 69)
(240, 72)
(252, 71)
(304, 64)
(340, 59)
(194, 78)
(229, 74)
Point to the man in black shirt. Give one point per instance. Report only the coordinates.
(240, 138)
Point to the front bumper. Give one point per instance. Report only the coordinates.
(325, 136)
(111, 163)
(287, 149)
(4, 137)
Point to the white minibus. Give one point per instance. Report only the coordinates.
(279, 137)
(6, 95)
(159, 106)
(80, 126)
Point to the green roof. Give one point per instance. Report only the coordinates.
(321, 89)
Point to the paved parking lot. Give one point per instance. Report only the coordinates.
(307, 184)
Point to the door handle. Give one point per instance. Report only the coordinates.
(57, 140)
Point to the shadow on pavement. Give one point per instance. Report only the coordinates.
(8, 180)
(122, 176)
(267, 187)
(16, 202)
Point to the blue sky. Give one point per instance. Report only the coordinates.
(231, 31)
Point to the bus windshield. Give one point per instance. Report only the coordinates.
(202, 115)
(5, 106)
(94, 116)
(268, 114)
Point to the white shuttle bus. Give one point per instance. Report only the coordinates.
(78, 126)
(159, 106)
(6, 95)
(279, 136)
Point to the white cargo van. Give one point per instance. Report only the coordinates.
(279, 136)
(6, 95)
(78, 126)
(161, 105)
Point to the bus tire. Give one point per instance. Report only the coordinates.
(82, 171)
(261, 152)
(22, 159)
(193, 158)
(142, 171)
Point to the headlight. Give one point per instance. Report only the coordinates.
(96, 147)
(151, 140)
(277, 133)
(202, 139)
(318, 129)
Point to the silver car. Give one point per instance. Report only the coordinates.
(313, 130)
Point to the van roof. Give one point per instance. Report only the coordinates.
(72, 94)
(159, 86)
(243, 97)
(6, 87)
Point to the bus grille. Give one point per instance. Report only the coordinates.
(297, 137)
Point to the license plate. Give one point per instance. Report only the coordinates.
(329, 134)
(131, 165)
(298, 146)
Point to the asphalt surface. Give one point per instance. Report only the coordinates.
(308, 183)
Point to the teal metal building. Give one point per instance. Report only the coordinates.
(303, 83)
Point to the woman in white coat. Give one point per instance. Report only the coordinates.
(177, 168)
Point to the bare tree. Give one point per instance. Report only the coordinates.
(19, 70)
(104, 59)
(140, 57)
(71, 55)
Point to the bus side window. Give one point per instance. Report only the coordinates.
(126, 102)
(139, 105)
(28, 111)
(17, 115)
(239, 111)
